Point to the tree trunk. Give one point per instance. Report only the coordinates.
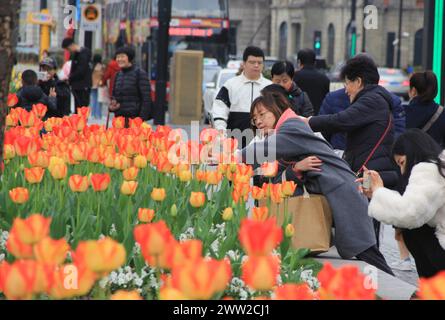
(8, 40)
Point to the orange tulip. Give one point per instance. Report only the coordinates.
(84, 112)
(288, 188)
(158, 194)
(260, 273)
(346, 283)
(259, 238)
(8, 151)
(269, 170)
(17, 248)
(27, 119)
(19, 195)
(126, 295)
(22, 145)
(17, 280)
(118, 122)
(201, 279)
(77, 122)
(260, 214)
(433, 288)
(277, 195)
(77, 152)
(32, 229)
(242, 169)
(93, 155)
(258, 193)
(213, 177)
(140, 162)
(100, 182)
(72, 281)
(146, 215)
(59, 171)
(34, 175)
(12, 100)
(130, 174)
(12, 120)
(167, 293)
(153, 238)
(51, 251)
(185, 176)
(78, 183)
(241, 192)
(201, 175)
(294, 292)
(39, 159)
(102, 256)
(227, 214)
(39, 110)
(197, 199)
(129, 188)
(109, 161)
(121, 162)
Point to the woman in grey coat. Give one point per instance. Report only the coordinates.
(289, 140)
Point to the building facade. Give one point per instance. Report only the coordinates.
(296, 24)
(250, 24)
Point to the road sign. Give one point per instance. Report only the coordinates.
(40, 18)
(91, 19)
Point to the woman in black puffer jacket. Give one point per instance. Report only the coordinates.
(423, 110)
(131, 92)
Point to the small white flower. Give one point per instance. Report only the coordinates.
(103, 283)
(2, 257)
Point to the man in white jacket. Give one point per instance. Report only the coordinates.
(231, 108)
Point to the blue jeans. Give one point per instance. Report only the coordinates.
(96, 106)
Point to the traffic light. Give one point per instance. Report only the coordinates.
(317, 42)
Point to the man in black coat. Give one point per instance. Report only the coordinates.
(310, 80)
(80, 75)
(131, 93)
(62, 89)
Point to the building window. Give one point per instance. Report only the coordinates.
(331, 44)
(282, 53)
(296, 30)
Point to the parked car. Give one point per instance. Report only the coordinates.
(334, 73)
(395, 81)
(209, 73)
(212, 89)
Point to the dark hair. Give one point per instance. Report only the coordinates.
(426, 85)
(29, 78)
(67, 42)
(363, 67)
(307, 57)
(274, 102)
(274, 88)
(128, 51)
(253, 51)
(418, 147)
(283, 67)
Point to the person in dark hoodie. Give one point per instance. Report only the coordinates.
(131, 93)
(283, 73)
(368, 123)
(31, 93)
(63, 93)
(423, 112)
(80, 76)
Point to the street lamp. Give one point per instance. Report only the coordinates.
(399, 46)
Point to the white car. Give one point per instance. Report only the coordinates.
(212, 89)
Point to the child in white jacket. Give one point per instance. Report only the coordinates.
(420, 209)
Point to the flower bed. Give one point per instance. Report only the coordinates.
(131, 209)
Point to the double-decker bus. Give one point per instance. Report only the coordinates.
(195, 25)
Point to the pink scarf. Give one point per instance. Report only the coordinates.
(288, 114)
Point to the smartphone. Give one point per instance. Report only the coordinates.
(366, 181)
(42, 76)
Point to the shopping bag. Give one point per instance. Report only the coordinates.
(311, 217)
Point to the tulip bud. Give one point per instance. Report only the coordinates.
(145, 215)
(227, 214)
(174, 211)
(140, 162)
(289, 231)
(158, 194)
(185, 176)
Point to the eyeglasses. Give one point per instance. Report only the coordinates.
(261, 117)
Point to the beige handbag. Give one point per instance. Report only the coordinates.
(311, 217)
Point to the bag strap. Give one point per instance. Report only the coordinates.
(433, 119)
(376, 146)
